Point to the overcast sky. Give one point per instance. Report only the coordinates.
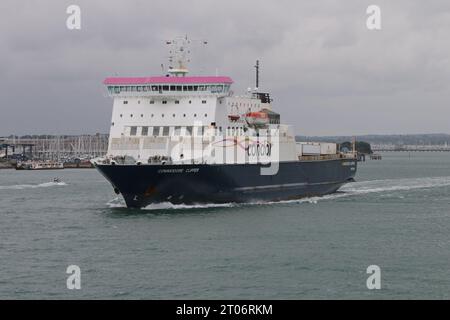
(328, 74)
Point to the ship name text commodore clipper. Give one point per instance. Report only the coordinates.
(188, 140)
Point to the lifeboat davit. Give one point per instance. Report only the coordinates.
(257, 118)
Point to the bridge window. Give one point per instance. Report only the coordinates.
(177, 102)
(166, 131)
(125, 102)
(177, 131)
(164, 102)
(165, 88)
(152, 102)
(203, 101)
(156, 131)
(154, 88)
(189, 130)
(133, 131)
(200, 131)
(179, 88)
(144, 131)
(172, 88)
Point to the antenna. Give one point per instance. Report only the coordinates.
(179, 51)
(257, 74)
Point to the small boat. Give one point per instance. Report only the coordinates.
(56, 180)
(233, 117)
(39, 165)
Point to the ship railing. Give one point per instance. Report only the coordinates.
(324, 157)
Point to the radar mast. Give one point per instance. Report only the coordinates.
(179, 55)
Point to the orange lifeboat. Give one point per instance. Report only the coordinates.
(257, 118)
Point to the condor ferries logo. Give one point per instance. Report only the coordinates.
(262, 148)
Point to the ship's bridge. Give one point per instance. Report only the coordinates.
(168, 86)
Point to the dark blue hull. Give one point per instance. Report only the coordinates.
(142, 185)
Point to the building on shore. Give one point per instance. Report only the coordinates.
(65, 148)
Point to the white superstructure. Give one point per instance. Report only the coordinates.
(183, 119)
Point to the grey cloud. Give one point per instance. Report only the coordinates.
(328, 74)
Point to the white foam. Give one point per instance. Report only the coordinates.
(118, 202)
(33, 186)
(168, 205)
(372, 186)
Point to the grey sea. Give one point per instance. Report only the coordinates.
(396, 216)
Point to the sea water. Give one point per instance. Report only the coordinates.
(396, 216)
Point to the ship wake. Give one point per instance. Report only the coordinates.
(118, 202)
(33, 186)
(378, 186)
(388, 185)
(350, 190)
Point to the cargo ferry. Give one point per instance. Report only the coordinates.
(190, 140)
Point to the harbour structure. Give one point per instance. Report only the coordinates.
(54, 147)
(188, 139)
(411, 148)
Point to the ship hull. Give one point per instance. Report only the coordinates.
(141, 185)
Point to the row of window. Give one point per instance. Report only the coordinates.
(240, 104)
(163, 101)
(162, 115)
(164, 131)
(168, 88)
(167, 130)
